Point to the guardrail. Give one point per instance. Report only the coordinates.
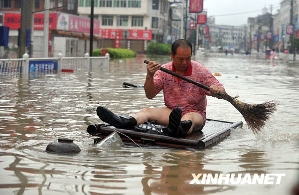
(28, 65)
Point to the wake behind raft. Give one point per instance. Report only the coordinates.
(213, 132)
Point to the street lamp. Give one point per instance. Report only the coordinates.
(175, 6)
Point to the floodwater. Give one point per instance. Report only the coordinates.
(37, 111)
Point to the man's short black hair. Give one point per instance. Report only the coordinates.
(180, 43)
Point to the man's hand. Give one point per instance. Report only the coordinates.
(152, 67)
(216, 91)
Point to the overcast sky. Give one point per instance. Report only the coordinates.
(223, 10)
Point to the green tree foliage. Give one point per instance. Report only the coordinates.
(296, 42)
(116, 53)
(96, 52)
(154, 48)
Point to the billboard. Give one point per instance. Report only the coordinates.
(195, 6)
(289, 29)
(202, 18)
(57, 21)
(131, 34)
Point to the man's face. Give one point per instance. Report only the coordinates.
(182, 58)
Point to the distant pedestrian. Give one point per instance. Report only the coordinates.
(225, 51)
(286, 51)
(272, 57)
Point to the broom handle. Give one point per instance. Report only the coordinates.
(181, 77)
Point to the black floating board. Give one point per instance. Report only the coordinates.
(213, 132)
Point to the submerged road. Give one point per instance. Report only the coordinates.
(37, 111)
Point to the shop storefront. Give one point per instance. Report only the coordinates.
(135, 40)
(74, 28)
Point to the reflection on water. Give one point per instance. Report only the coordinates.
(35, 112)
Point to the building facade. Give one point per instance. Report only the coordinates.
(228, 37)
(68, 32)
(134, 22)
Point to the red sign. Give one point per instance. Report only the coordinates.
(297, 33)
(140, 34)
(81, 24)
(195, 6)
(289, 29)
(206, 30)
(13, 21)
(132, 34)
(202, 18)
(192, 26)
(57, 21)
(269, 35)
(39, 21)
(117, 40)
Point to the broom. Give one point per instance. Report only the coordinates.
(255, 115)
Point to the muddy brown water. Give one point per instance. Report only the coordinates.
(37, 111)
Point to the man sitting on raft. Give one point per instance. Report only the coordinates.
(185, 103)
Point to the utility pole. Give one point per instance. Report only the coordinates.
(291, 40)
(258, 33)
(91, 28)
(186, 19)
(22, 31)
(196, 36)
(46, 28)
(31, 18)
(271, 28)
(245, 40)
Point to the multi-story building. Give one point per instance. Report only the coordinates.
(68, 32)
(281, 20)
(133, 24)
(129, 23)
(261, 35)
(227, 37)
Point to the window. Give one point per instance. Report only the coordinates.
(105, 3)
(5, 3)
(81, 3)
(116, 3)
(71, 5)
(137, 21)
(107, 20)
(88, 3)
(17, 3)
(122, 21)
(154, 22)
(120, 3)
(123, 3)
(52, 4)
(155, 5)
(102, 3)
(36, 4)
(134, 3)
(108, 3)
(60, 3)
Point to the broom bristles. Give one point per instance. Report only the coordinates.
(255, 115)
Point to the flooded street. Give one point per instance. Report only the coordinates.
(37, 111)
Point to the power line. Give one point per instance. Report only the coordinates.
(241, 12)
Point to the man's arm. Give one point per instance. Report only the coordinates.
(149, 86)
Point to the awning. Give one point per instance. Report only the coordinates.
(77, 35)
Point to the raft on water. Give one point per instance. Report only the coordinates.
(213, 132)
